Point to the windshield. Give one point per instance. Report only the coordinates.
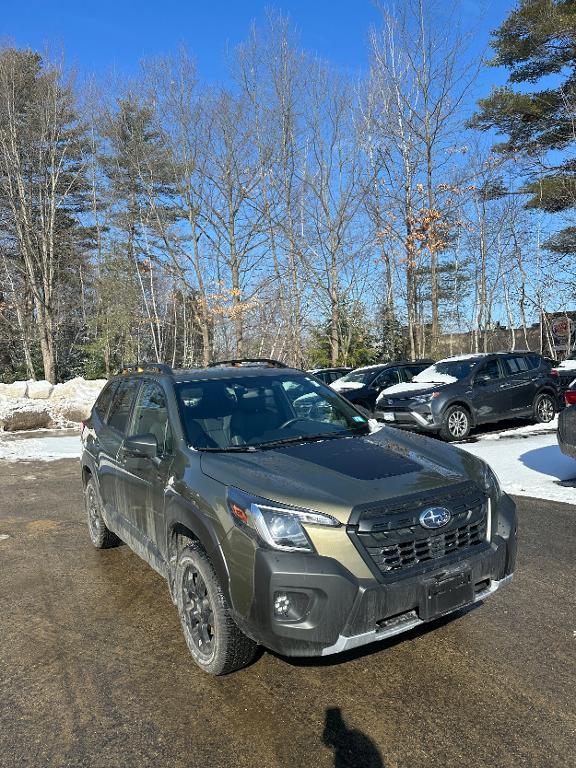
(446, 372)
(244, 413)
(360, 376)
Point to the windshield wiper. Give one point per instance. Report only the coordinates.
(228, 449)
(306, 439)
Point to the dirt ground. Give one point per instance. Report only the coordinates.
(94, 670)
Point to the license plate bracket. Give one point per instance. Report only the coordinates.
(447, 594)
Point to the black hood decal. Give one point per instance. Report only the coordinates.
(354, 457)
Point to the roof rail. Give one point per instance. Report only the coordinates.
(248, 362)
(145, 367)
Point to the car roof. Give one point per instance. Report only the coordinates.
(206, 374)
(332, 368)
(392, 364)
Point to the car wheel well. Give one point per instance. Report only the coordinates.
(464, 407)
(179, 533)
(86, 475)
(547, 391)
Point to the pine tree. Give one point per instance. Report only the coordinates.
(538, 40)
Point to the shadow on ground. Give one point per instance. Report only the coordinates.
(549, 460)
(351, 747)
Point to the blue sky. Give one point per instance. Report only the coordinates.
(109, 36)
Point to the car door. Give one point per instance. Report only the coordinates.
(144, 480)
(387, 378)
(110, 435)
(519, 386)
(487, 394)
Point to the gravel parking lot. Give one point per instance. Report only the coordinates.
(95, 672)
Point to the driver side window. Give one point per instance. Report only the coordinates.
(490, 370)
(387, 378)
(151, 416)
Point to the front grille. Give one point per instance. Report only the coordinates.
(409, 553)
(393, 539)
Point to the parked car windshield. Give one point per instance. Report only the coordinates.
(359, 376)
(446, 371)
(245, 413)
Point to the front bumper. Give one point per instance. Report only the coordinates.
(408, 417)
(344, 612)
(404, 623)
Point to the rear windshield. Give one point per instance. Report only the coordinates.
(259, 411)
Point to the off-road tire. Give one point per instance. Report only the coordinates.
(228, 649)
(544, 408)
(100, 535)
(456, 424)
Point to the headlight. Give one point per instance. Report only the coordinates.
(278, 525)
(425, 398)
(490, 481)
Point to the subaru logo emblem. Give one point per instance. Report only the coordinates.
(435, 517)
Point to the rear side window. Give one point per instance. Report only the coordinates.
(511, 366)
(102, 405)
(514, 365)
(122, 405)
(533, 361)
(522, 363)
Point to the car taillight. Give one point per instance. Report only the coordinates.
(570, 397)
(554, 372)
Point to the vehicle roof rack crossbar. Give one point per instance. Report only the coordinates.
(265, 362)
(147, 367)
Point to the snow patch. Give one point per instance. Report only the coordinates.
(408, 387)
(40, 448)
(432, 376)
(524, 431)
(531, 466)
(566, 365)
(343, 386)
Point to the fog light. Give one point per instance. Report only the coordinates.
(281, 604)
(291, 606)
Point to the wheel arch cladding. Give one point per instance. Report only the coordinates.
(195, 530)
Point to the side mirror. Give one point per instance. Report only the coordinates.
(482, 380)
(140, 446)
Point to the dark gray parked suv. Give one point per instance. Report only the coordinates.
(456, 394)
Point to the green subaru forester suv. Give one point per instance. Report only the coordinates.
(280, 516)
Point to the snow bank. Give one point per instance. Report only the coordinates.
(38, 404)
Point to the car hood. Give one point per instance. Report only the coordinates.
(335, 475)
(412, 388)
(346, 386)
